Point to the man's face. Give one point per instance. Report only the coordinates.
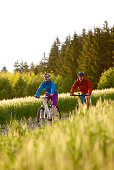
(46, 78)
(80, 78)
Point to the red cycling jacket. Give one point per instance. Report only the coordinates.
(84, 86)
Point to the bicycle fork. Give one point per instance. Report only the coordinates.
(49, 116)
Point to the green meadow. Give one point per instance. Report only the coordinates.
(27, 107)
(83, 141)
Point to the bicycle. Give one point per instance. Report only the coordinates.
(45, 113)
(79, 95)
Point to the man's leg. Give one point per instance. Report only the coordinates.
(54, 110)
(82, 97)
(54, 104)
(88, 101)
(47, 97)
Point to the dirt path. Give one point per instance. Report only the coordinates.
(32, 124)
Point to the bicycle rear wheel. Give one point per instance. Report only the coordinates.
(41, 116)
(58, 114)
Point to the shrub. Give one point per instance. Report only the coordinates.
(31, 88)
(19, 87)
(107, 79)
(33, 85)
(63, 84)
(5, 89)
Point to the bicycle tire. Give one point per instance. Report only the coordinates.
(41, 109)
(58, 111)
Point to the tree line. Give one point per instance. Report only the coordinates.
(91, 52)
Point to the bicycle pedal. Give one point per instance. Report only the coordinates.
(39, 125)
(50, 119)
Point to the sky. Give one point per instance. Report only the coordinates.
(28, 28)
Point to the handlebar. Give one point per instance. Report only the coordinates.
(39, 97)
(42, 97)
(80, 95)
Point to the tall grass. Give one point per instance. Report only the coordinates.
(28, 106)
(82, 142)
(103, 94)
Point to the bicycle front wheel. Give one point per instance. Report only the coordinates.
(57, 115)
(41, 116)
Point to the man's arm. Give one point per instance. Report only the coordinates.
(74, 87)
(40, 88)
(52, 88)
(90, 88)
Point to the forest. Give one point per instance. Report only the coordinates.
(91, 52)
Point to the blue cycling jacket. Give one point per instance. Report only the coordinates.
(48, 86)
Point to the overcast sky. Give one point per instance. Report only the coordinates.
(28, 28)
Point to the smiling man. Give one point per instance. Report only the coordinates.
(51, 92)
(85, 87)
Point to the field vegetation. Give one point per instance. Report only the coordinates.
(19, 108)
(84, 141)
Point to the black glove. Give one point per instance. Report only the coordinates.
(36, 96)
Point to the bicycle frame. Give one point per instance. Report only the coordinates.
(79, 95)
(45, 113)
(46, 109)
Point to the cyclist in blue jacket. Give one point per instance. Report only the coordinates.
(51, 92)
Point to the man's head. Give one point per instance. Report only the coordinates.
(81, 76)
(46, 76)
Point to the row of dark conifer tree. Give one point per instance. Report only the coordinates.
(91, 52)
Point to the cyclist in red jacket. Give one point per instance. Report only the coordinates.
(85, 87)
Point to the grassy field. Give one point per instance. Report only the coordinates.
(84, 141)
(28, 106)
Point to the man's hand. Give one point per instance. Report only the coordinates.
(36, 96)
